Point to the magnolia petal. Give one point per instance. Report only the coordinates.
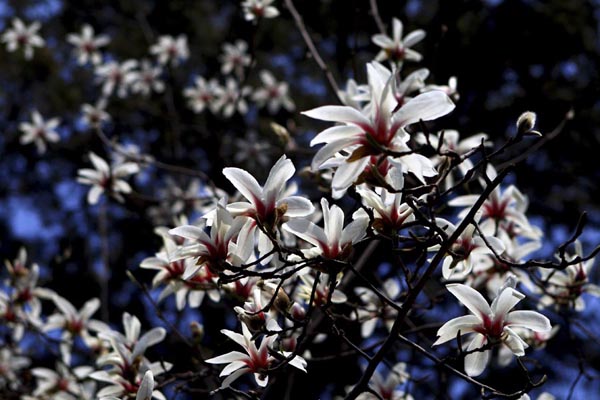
(514, 342)
(450, 329)
(245, 183)
(476, 362)
(529, 319)
(297, 206)
(426, 106)
(471, 299)
(335, 133)
(281, 172)
(338, 114)
(227, 358)
(506, 301)
(329, 150)
(354, 231)
(308, 231)
(348, 173)
(414, 37)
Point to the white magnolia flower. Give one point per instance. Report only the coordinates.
(268, 204)
(272, 94)
(62, 383)
(235, 58)
(503, 209)
(11, 363)
(375, 309)
(145, 391)
(202, 95)
(148, 79)
(256, 360)
(389, 211)
(170, 272)
(387, 388)
(105, 178)
(321, 293)
(354, 95)
(73, 323)
(116, 76)
(396, 48)
(257, 9)
(39, 131)
(21, 35)
(492, 324)
(379, 127)
(231, 98)
(228, 242)
(87, 45)
(170, 49)
(565, 288)
(95, 115)
(450, 89)
(467, 250)
(25, 296)
(127, 365)
(334, 241)
(491, 273)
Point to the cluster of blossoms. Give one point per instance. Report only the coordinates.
(130, 373)
(230, 97)
(290, 270)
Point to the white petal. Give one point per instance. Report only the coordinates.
(245, 183)
(426, 106)
(529, 319)
(338, 114)
(471, 299)
(476, 362)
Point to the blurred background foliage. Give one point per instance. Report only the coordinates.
(509, 56)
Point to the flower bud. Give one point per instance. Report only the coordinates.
(525, 124)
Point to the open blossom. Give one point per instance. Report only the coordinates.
(105, 178)
(21, 35)
(389, 212)
(376, 310)
(503, 209)
(491, 324)
(203, 95)
(127, 373)
(272, 94)
(170, 272)
(321, 294)
(466, 250)
(378, 127)
(62, 383)
(39, 131)
(95, 115)
(268, 204)
(397, 48)
(257, 9)
(387, 388)
(565, 288)
(73, 323)
(334, 241)
(148, 79)
(116, 76)
(217, 248)
(231, 98)
(87, 45)
(11, 364)
(235, 58)
(169, 49)
(256, 360)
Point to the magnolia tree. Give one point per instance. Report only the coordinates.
(396, 265)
